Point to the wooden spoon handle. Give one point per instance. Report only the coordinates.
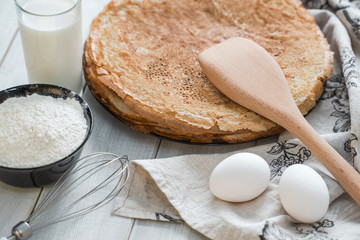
(344, 173)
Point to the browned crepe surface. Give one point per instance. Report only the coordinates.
(141, 61)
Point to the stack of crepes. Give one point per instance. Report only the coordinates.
(141, 62)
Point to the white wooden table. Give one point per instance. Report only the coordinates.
(109, 134)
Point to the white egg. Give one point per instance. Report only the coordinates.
(240, 177)
(303, 193)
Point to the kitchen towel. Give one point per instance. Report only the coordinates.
(176, 189)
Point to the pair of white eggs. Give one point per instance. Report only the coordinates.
(244, 176)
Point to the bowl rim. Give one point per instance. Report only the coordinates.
(69, 93)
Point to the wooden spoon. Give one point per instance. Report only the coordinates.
(249, 75)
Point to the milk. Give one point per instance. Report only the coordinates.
(53, 43)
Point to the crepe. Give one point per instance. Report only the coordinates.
(140, 61)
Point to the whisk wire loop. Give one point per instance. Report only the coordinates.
(89, 169)
(56, 189)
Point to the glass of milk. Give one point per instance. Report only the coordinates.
(52, 41)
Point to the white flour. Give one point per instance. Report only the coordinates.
(38, 130)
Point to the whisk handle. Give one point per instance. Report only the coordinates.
(21, 231)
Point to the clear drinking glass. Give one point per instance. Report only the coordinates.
(51, 36)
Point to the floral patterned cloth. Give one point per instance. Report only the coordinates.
(176, 189)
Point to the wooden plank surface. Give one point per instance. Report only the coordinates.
(15, 206)
(13, 70)
(9, 26)
(145, 230)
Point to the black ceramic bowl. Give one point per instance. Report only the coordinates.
(43, 175)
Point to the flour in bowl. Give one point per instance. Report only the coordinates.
(37, 130)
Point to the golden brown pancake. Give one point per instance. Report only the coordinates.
(140, 60)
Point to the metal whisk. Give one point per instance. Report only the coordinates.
(90, 184)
